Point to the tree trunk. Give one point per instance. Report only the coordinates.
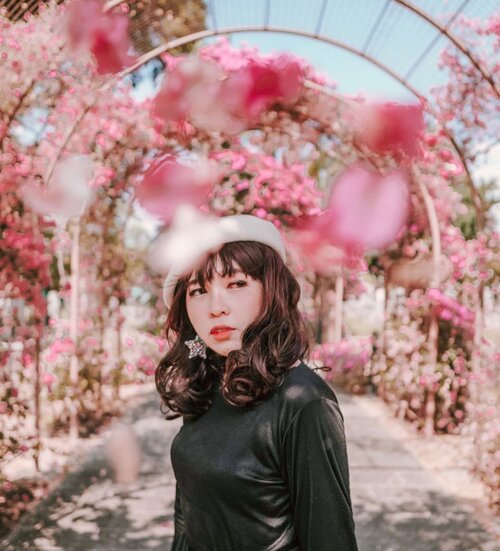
(38, 438)
(430, 399)
(73, 330)
(339, 300)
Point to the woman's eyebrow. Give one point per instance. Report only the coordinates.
(195, 281)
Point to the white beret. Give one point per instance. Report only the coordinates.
(238, 227)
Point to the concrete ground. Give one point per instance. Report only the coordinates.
(405, 497)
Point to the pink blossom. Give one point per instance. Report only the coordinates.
(255, 87)
(389, 127)
(48, 379)
(61, 346)
(168, 183)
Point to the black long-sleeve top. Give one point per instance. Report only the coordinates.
(272, 477)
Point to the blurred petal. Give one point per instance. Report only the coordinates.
(367, 209)
(123, 453)
(68, 193)
(110, 44)
(192, 234)
(324, 258)
(105, 34)
(189, 86)
(82, 17)
(197, 89)
(250, 90)
(389, 127)
(291, 77)
(167, 184)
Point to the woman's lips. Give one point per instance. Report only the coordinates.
(221, 333)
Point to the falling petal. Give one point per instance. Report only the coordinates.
(389, 127)
(82, 17)
(321, 255)
(190, 89)
(167, 184)
(191, 235)
(67, 194)
(110, 44)
(367, 209)
(123, 453)
(105, 34)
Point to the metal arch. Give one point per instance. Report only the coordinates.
(477, 201)
(231, 30)
(406, 4)
(374, 28)
(435, 39)
(456, 41)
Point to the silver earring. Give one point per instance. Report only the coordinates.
(196, 347)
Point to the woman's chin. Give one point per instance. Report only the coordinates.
(224, 347)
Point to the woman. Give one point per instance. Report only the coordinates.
(260, 461)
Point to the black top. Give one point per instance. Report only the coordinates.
(270, 477)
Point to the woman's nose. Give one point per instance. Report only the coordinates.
(217, 304)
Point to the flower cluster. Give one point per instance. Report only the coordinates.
(258, 184)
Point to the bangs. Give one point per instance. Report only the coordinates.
(233, 257)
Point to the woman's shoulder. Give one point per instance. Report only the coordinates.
(303, 385)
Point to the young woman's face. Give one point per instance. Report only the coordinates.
(222, 310)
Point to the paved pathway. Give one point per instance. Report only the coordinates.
(400, 505)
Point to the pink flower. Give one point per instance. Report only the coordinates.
(389, 127)
(48, 379)
(105, 34)
(61, 346)
(254, 88)
(445, 314)
(367, 210)
(422, 380)
(167, 184)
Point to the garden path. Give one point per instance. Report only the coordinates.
(408, 494)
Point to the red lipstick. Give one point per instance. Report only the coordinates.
(221, 332)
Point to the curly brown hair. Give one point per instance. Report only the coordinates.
(270, 345)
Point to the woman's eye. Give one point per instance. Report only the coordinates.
(239, 283)
(194, 292)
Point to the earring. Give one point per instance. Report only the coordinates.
(196, 347)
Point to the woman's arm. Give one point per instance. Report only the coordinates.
(315, 464)
(180, 542)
